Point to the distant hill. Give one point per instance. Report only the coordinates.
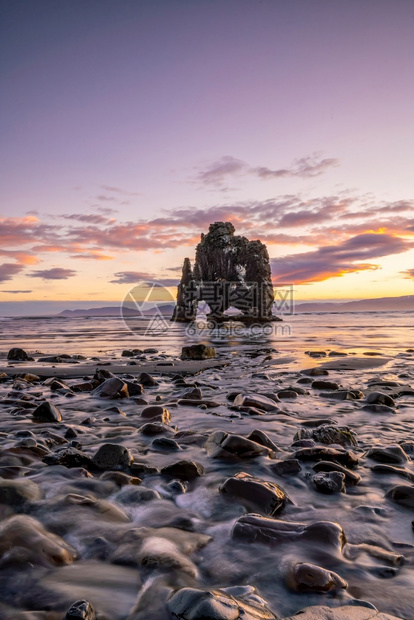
(363, 305)
(390, 304)
(165, 310)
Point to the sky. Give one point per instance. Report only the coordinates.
(128, 126)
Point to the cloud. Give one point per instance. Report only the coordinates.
(119, 190)
(57, 273)
(16, 292)
(331, 261)
(408, 274)
(305, 167)
(91, 218)
(8, 270)
(216, 172)
(135, 277)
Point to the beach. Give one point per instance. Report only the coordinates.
(275, 477)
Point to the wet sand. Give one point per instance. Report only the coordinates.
(164, 512)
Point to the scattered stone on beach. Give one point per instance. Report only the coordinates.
(156, 413)
(255, 494)
(262, 438)
(351, 477)
(343, 395)
(391, 469)
(111, 388)
(69, 457)
(47, 412)
(198, 352)
(154, 428)
(222, 445)
(379, 398)
(255, 528)
(338, 455)
(18, 355)
(286, 394)
(81, 610)
(329, 482)
(225, 604)
(315, 372)
(328, 434)
(346, 612)
(184, 470)
(402, 494)
(166, 444)
(16, 493)
(388, 454)
(112, 456)
(24, 540)
(325, 385)
(311, 578)
(286, 467)
(378, 408)
(147, 380)
(256, 400)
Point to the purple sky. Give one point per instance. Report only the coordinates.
(129, 125)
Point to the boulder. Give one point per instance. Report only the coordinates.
(402, 494)
(81, 610)
(112, 456)
(198, 352)
(255, 400)
(338, 455)
(17, 355)
(379, 398)
(389, 454)
(222, 445)
(329, 482)
(156, 413)
(184, 470)
(47, 412)
(311, 578)
(19, 491)
(111, 388)
(255, 494)
(328, 434)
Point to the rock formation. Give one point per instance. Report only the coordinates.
(229, 271)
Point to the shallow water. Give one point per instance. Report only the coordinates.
(115, 531)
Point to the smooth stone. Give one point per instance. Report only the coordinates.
(147, 380)
(311, 578)
(112, 456)
(222, 445)
(388, 454)
(328, 434)
(350, 476)
(329, 482)
(198, 352)
(357, 611)
(402, 494)
(165, 443)
(338, 455)
(325, 385)
(47, 412)
(40, 546)
(134, 389)
(287, 467)
(111, 388)
(19, 491)
(156, 413)
(378, 409)
(17, 355)
(255, 528)
(255, 494)
(135, 495)
(82, 610)
(192, 393)
(343, 395)
(69, 457)
(255, 400)
(121, 479)
(154, 428)
(193, 604)
(287, 394)
(184, 470)
(262, 438)
(378, 398)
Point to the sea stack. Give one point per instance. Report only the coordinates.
(229, 272)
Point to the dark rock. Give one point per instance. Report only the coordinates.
(288, 467)
(343, 395)
(147, 380)
(378, 398)
(262, 438)
(222, 445)
(142, 469)
(184, 470)
(18, 492)
(256, 400)
(328, 434)
(350, 476)
(389, 454)
(127, 353)
(343, 457)
(120, 478)
(402, 494)
(254, 528)
(390, 469)
(134, 389)
(156, 413)
(378, 409)
(82, 610)
(315, 372)
(47, 412)
(132, 495)
(191, 393)
(316, 353)
(229, 271)
(112, 456)
(312, 578)
(325, 385)
(154, 428)
(165, 443)
(255, 494)
(330, 482)
(287, 394)
(112, 388)
(224, 604)
(69, 457)
(198, 352)
(17, 355)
